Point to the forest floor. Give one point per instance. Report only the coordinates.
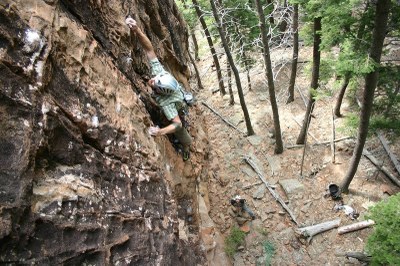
(231, 175)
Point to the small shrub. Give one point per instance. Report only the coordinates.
(384, 243)
(233, 241)
(269, 251)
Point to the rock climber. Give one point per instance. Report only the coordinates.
(167, 93)
(240, 211)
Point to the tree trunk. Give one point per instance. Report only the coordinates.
(195, 45)
(340, 96)
(314, 80)
(295, 53)
(228, 67)
(229, 74)
(246, 65)
(199, 84)
(249, 127)
(211, 45)
(270, 78)
(378, 36)
(270, 5)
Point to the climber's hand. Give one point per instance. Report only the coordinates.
(131, 23)
(154, 131)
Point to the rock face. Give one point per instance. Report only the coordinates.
(81, 181)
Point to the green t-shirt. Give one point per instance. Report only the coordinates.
(170, 104)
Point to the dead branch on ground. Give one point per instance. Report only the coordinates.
(223, 119)
(384, 170)
(389, 152)
(319, 143)
(312, 230)
(355, 226)
(356, 255)
(271, 190)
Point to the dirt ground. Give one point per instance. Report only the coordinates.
(310, 205)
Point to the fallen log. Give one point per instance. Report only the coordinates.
(389, 152)
(354, 227)
(319, 143)
(270, 189)
(312, 230)
(223, 119)
(356, 255)
(384, 170)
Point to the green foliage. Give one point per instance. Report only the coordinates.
(269, 251)
(384, 243)
(380, 122)
(350, 126)
(233, 241)
(337, 22)
(189, 14)
(306, 33)
(387, 101)
(356, 62)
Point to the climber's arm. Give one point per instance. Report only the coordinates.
(171, 128)
(143, 39)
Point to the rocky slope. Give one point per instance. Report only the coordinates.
(81, 181)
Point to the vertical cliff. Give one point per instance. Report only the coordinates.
(81, 181)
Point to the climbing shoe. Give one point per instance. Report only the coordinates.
(186, 155)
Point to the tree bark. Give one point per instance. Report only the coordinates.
(195, 45)
(270, 15)
(229, 74)
(199, 84)
(270, 79)
(295, 55)
(314, 80)
(249, 127)
(211, 45)
(371, 80)
(340, 96)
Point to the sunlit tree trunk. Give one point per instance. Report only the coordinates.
(228, 67)
(314, 80)
(340, 96)
(211, 45)
(295, 55)
(270, 78)
(222, 34)
(199, 84)
(371, 80)
(195, 45)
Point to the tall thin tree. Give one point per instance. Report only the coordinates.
(235, 71)
(314, 79)
(200, 14)
(293, 73)
(371, 80)
(228, 67)
(270, 78)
